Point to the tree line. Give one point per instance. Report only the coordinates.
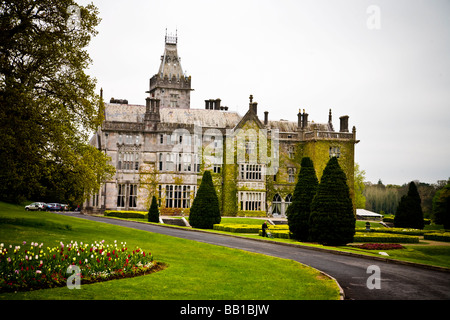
(384, 199)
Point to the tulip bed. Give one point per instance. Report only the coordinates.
(33, 266)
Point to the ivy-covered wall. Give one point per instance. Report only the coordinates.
(319, 152)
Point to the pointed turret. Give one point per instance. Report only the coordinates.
(170, 85)
(170, 62)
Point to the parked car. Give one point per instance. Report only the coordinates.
(36, 206)
(53, 207)
(65, 207)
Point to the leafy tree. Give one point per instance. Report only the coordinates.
(205, 210)
(409, 212)
(332, 221)
(153, 212)
(48, 107)
(299, 210)
(441, 206)
(360, 199)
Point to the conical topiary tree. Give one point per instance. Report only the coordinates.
(409, 211)
(205, 210)
(332, 221)
(153, 212)
(299, 210)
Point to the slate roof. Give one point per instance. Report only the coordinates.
(205, 118)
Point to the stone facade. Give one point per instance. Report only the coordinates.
(162, 149)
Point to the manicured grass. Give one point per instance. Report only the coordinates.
(194, 270)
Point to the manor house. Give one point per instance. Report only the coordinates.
(163, 147)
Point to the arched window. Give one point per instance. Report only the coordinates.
(287, 201)
(276, 204)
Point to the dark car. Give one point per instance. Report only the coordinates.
(65, 207)
(54, 207)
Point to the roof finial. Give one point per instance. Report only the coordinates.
(251, 98)
(171, 39)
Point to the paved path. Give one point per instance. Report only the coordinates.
(398, 282)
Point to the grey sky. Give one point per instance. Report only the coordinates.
(393, 81)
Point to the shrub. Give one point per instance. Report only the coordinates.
(409, 212)
(153, 212)
(205, 210)
(299, 211)
(332, 221)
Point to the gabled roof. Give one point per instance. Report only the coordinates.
(249, 116)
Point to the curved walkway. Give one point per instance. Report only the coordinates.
(355, 274)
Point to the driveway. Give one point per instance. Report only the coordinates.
(355, 274)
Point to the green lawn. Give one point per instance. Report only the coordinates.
(195, 270)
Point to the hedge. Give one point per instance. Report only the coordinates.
(438, 236)
(247, 228)
(238, 228)
(391, 219)
(384, 238)
(282, 234)
(405, 231)
(126, 214)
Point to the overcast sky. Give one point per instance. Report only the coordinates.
(385, 64)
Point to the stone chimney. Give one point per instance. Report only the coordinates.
(343, 124)
(152, 109)
(217, 104)
(266, 118)
(254, 107)
(304, 120)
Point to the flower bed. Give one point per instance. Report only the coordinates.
(379, 246)
(33, 266)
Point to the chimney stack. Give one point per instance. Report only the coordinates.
(305, 119)
(217, 104)
(254, 107)
(344, 124)
(266, 118)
